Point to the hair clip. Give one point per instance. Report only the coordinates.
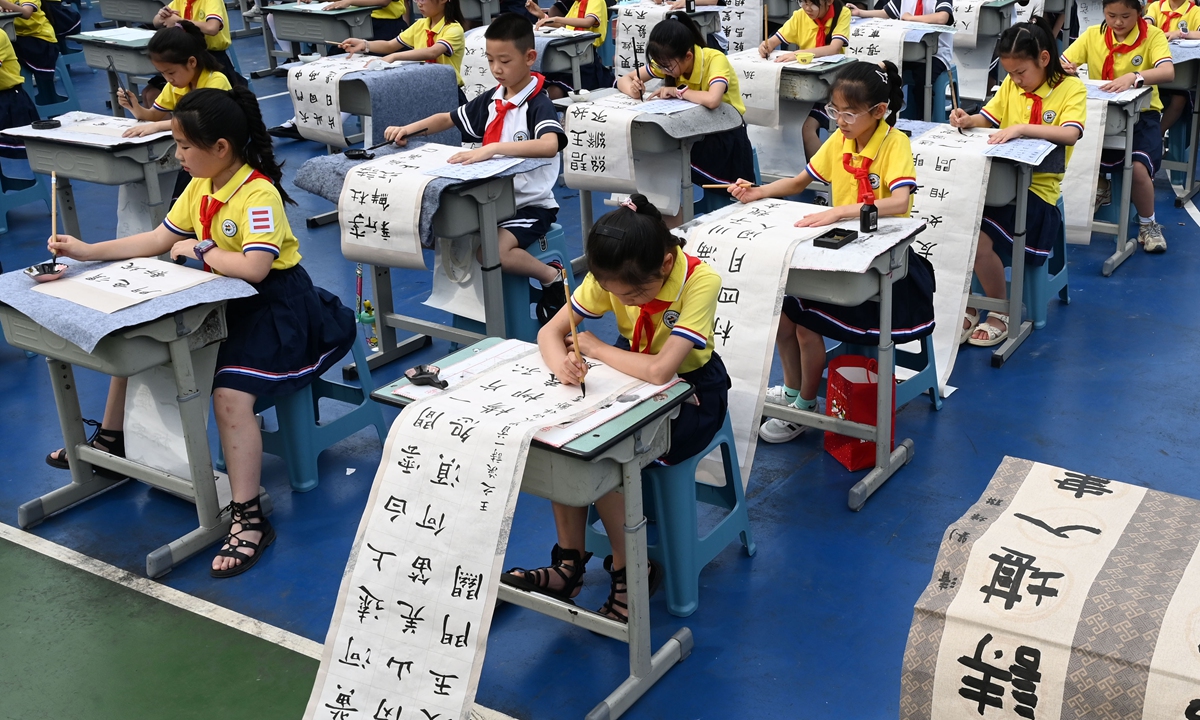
(628, 202)
(610, 231)
(882, 76)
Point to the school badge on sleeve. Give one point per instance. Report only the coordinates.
(262, 220)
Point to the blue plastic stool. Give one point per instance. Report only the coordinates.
(922, 361)
(37, 189)
(1043, 282)
(671, 503)
(301, 436)
(1109, 213)
(64, 77)
(519, 322)
(1177, 145)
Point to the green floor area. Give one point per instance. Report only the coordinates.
(74, 645)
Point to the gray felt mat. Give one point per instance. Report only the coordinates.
(85, 327)
(410, 93)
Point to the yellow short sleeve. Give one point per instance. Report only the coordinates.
(1158, 50)
(453, 36)
(841, 29)
(820, 166)
(1077, 52)
(793, 30)
(997, 108)
(181, 219)
(410, 34)
(698, 307)
(590, 300)
(263, 222)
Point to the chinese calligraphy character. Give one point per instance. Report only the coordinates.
(1009, 574)
(466, 585)
(1083, 484)
(365, 601)
(421, 565)
(1057, 531)
(412, 617)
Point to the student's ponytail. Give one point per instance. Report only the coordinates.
(838, 6)
(176, 45)
(207, 115)
(628, 244)
(673, 38)
(453, 13)
(865, 84)
(1028, 40)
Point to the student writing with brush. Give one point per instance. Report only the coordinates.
(665, 303)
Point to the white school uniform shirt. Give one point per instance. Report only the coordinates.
(945, 47)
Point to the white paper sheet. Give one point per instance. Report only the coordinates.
(966, 23)
(125, 34)
(1125, 96)
(742, 23)
(634, 23)
(877, 39)
(474, 171)
(85, 128)
(1089, 12)
(665, 106)
(1079, 182)
(457, 273)
(153, 428)
(414, 609)
(316, 97)
(758, 80)
(124, 283)
(781, 148)
(379, 210)
(476, 74)
(599, 152)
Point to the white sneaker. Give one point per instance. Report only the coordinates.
(775, 395)
(1103, 192)
(1150, 235)
(780, 431)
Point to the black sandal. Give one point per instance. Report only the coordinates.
(538, 580)
(109, 441)
(610, 608)
(251, 520)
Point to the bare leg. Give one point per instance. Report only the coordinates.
(989, 268)
(554, 91)
(570, 523)
(789, 352)
(1142, 193)
(611, 509)
(812, 361)
(114, 416)
(812, 140)
(242, 443)
(1173, 111)
(516, 261)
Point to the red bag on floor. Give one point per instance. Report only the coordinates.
(852, 394)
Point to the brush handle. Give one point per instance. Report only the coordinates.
(574, 331)
(54, 207)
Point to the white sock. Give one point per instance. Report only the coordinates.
(1145, 221)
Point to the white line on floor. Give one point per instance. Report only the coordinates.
(268, 97)
(183, 601)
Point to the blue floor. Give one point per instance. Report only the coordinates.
(814, 625)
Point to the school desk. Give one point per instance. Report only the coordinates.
(107, 161)
(131, 11)
(8, 22)
(610, 457)
(674, 133)
(780, 11)
(1187, 79)
(850, 289)
(1118, 135)
(480, 11)
(186, 341)
(801, 88)
(126, 49)
(567, 54)
(307, 22)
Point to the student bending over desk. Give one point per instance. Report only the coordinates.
(16, 107)
(821, 28)
(638, 272)
(1179, 20)
(436, 38)
(934, 12)
(675, 53)
(1129, 52)
(36, 46)
(582, 15)
(1036, 100)
(518, 119)
(279, 340)
(866, 162)
(213, 20)
(180, 55)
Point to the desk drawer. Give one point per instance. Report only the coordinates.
(126, 60)
(136, 11)
(458, 214)
(113, 355)
(82, 163)
(310, 27)
(1002, 185)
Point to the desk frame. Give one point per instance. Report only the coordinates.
(1120, 229)
(1190, 185)
(132, 60)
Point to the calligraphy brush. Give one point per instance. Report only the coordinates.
(112, 68)
(954, 101)
(422, 131)
(722, 186)
(574, 332)
(49, 270)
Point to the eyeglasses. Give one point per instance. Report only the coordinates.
(671, 71)
(848, 117)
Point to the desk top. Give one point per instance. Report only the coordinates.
(1125, 97)
(317, 7)
(1181, 53)
(690, 123)
(133, 38)
(585, 447)
(90, 129)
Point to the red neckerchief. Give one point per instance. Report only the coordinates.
(1035, 112)
(866, 194)
(1169, 15)
(431, 39)
(582, 9)
(1107, 72)
(496, 126)
(920, 9)
(209, 206)
(187, 9)
(654, 307)
(824, 22)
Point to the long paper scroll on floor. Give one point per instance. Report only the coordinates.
(414, 610)
(1060, 595)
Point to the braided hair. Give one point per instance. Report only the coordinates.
(628, 244)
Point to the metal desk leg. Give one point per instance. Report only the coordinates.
(1125, 248)
(579, 264)
(1016, 289)
(887, 461)
(1189, 175)
(84, 484)
(389, 349)
(113, 84)
(66, 206)
(644, 669)
(929, 54)
(493, 276)
(576, 81)
(687, 205)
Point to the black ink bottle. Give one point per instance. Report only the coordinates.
(689, 6)
(868, 218)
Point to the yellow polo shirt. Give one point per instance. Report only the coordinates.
(171, 95)
(590, 8)
(391, 11)
(690, 315)
(891, 165)
(10, 71)
(801, 30)
(1064, 105)
(710, 66)
(252, 217)
(36, 25)
(1090, 48)
(449, 35)
(199, 11)
(1186, 19)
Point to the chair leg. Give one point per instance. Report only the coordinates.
(296, 419)
(676, 504)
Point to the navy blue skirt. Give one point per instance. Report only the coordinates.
(593, 76)
(227, 69)
(283, 338)
(723, 158)
(1147, 145)
(36, 54)
(64, 19)
(16, 109)
(912, 310)
(387, 29)
(1043, 223)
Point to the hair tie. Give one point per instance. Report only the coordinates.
(628, 202)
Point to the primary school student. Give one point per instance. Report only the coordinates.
(180, 55)
(1127, 52)
(232, 219)
(821, 28)
(213, 20)
(934, 12)
(866, 161)
(582, 15)
(36, 47)
(436, 38)
(65, 20)
(676, 54)
(665, 303)
(1036, 100)
(16, 107)
(1179, 20)
(517, 119)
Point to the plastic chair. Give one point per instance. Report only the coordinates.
(23, 192)
(1177, 145)
(922, 361)
(672, 494)
(302, 436)
(71, 103)
(519, 321)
